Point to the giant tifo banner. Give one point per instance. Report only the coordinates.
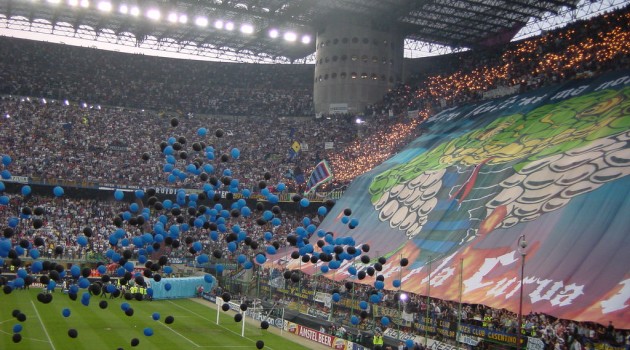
(550, 166)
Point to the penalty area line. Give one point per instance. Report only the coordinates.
(44, 327)
(202, 317)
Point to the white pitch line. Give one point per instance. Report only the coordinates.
(181, 335)
(5, 321)
(44, 327)
(198, 315)
(33, 339)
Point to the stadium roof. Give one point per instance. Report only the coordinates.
(217, 24)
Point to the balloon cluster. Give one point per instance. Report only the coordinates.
(213, 208)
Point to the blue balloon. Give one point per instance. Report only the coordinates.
(65, 312)
(208, 278)
(82, 240)
(336, 297)
(119, 195)
(203, 258)
(219, 268)
(231, 246)
(124, 306)
(38, 266)
(276, 222)
(281, 187)
(354, 320)
(260, 259)
(385, 321)
(409, 343)
(345, 220)
(155, 316)
(139, 194)
(26, 190)
(86, 301)
(34, 253)
(18, 282)
(6, 159)
(363, 305)
(322, 211)
(352, 270)
(396, 283)
(134, 207)
(58, 191)
(325, 268)
(304, 202)
(379, 284)
(2, 186)
(167, 287)
(202, 131)
(168, 269)
(354, 222)
(52, 285)
(84, 283)
(148, 332)
(197, 246)
(271, 250)
(17, 328)
(5, 174)
(235, 153)
(248, 265)
(375, 298)
(241, 258)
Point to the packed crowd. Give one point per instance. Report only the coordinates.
(581, 49)
(557, 334)
(53, 71)
(50, 141)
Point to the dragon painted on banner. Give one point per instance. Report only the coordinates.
(550, 165)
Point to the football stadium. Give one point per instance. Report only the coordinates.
(295, 174)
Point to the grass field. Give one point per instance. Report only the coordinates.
(194, 327)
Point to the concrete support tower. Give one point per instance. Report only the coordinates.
(357, 61)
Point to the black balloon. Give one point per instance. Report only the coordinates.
(72, 333)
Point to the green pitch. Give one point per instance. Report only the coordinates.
(194, 325)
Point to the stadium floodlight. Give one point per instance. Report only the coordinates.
(44, 101)
(104, 6)
(247, 29)
(85, 3)
(201, 21)
(7, 116)
(124, 9)
(229, 26)
(273, 33)
(290, 36)
(73, 3)
(134, 11)
(84, 105)
(172, 17)
(218, 24)
(66, 103)
(306, 39)
(183, 19)
(154, 14)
